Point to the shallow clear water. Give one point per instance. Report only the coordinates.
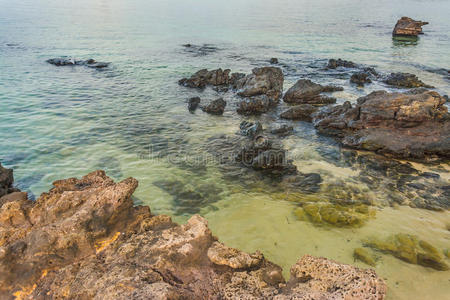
(64, 122)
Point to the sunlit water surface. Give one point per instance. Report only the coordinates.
(64, 122)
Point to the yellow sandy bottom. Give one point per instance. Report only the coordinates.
(255, 222)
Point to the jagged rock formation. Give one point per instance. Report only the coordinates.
(410, 125)
(306, 91)
(85, 239)
(408, 27)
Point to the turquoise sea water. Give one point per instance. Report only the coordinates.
(64, 122)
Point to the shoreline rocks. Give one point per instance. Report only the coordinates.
(405, 80)
(84, 238)
(306, 91)
(408, 27)
(215, 107)
(410, 125)
(263, 81)
(336, 63)
(360, 78)
(302, 112)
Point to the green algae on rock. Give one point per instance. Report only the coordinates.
(365, 256)
(411, 249)
(335, 214)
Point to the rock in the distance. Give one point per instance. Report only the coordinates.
(274, 60)
(408, 27)
(91, 63)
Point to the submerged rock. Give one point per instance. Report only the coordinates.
(405, 80)
(403, 125)
(85, 239)
(215, 107)
(365, 256)
(306, 91)
(91, 63)
(250, 129)
(300, 112)
(323, 213)
(335, 63)
(408, 27)
(261, 153)
(282, 130)
(189, 195)
(360, 78)
(263, 81)
(411, 249)
(193, 103)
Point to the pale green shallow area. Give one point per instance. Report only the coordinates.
(64, 122)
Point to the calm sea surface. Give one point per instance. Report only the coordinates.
(64, 122)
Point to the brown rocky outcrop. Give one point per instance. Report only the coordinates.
(263, 81)
(306, 91)
(408, 27)
(405, 80)
(202, 78)
(84, 239)
(300, 112)
(215, 107)
(407, 125)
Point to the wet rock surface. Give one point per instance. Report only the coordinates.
(408, 27)
(85, 239)
(405, 80)
(360, 78)
(410, 125)
(215, 107)
(302, 112)
(193, 103)
(336, 63)
(203, 77)
(255, 105)
(91, 63)
(6, 181)
(250, 129)
(305, 91)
